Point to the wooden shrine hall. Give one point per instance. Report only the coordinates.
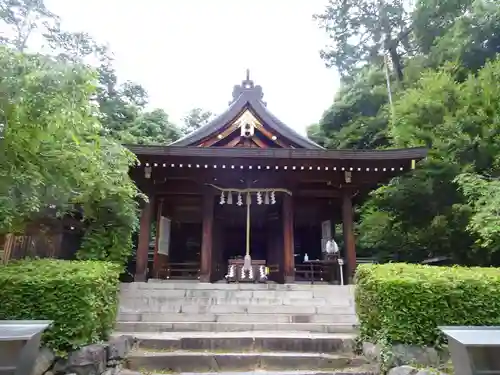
(246, 198)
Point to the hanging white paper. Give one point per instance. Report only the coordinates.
(164, 236)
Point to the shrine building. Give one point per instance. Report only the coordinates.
(246, 184)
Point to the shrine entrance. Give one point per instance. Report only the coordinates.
(247, 224)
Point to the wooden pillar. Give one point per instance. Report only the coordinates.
(207, 236)
(348, 233)
(141, 265)
(8, 244)
(288, 245)
(156, 257)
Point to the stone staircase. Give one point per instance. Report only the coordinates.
(197, 327)
(184, 306)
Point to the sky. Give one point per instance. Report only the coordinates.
(190, 53)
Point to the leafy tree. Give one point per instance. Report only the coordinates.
(472, 40)
(20, 18)
(364, 31)
(426, 213)
(358, 117)
(123, 112)
(154, 127)
(195, 119)
(447, 101)
(483, 195)
(53, 157)
(432, 19)
(315, 133)
(122, 105)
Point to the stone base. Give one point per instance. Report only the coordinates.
(401, 355)
(95, 359)
(290, 279)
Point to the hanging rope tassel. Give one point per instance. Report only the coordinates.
(229, 197)
(266, 198)
(247, 260)
(222, 198)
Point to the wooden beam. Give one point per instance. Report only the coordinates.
(348, 233)
(215, 137)
(259, 142)
(288, 240)
(233, 142)
(207, 239)
(141, 265)
(326, 193)
(268, 135)
(229, 170)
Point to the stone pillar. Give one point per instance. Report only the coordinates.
(348, 233)
(288, 241)
(207, 236)
(141, 266)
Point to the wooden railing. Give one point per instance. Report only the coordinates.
(180, 271)
(320, 271)
(21, 246)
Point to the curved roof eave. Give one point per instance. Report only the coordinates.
(280, 127)
(204, 131)
(233, 111)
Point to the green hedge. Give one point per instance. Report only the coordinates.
(404, 303)
(81, 297)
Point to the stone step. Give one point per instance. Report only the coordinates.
(186, 361)
(302, 342)
(232, 306)
(183, 285)
(201, 290)
(359, 370)
(247, 294)
(237, 318)
(169, 326)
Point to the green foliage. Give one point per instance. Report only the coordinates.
(123, 115)
(470, 34)
(363, 31)
(195, 119)
(53, 153)
(358, 118)
(406, 303)
(448, 101)
(483, 195)
(80, 297)
(20, 18)
(64, 121)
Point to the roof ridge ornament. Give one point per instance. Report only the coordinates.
(247, 88)
(248, 83)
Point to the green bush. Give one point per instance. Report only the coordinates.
(404, 303)
(81, 297)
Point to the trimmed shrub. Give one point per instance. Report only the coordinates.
(405, 303)
(81, 297)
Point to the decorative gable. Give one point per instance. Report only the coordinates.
(246, 123)
(246, 130)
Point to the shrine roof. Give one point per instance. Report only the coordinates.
(247, 96)
(280, 153)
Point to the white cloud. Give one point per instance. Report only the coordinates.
(190, 53)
